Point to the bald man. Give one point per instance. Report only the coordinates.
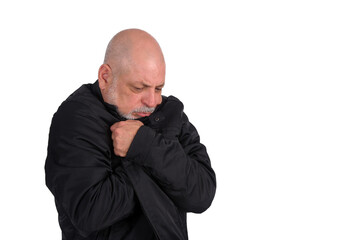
(123, 161)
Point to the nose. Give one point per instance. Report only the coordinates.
(149, 99)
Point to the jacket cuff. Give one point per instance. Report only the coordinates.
(141, 144)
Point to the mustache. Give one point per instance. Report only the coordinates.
(143, 109)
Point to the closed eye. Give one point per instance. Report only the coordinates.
(137, 89)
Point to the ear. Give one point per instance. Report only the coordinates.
(105, 76)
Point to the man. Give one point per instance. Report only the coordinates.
(123, 161)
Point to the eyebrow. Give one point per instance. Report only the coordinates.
(145, 85)
(161, 85)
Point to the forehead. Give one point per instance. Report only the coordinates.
(149, 75)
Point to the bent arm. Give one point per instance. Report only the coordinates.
(79, 174)
(180, 165)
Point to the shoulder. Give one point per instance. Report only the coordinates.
(79, 103)
(84, 98)
(79, 111)
(171, 105)
(172, 110)
(173, 100)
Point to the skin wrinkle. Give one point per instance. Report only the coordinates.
(120, 50)
(133, 73)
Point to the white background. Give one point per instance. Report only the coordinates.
(272, 87)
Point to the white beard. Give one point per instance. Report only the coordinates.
(111, 95)
(140, 109)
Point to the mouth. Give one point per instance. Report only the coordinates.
(142, 114)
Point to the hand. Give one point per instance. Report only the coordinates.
(122, 135)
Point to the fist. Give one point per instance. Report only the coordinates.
(122, 135)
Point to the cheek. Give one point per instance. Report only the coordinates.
(128, 102)
(135, 101)
(158, 99)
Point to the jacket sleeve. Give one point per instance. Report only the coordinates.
(79, 173)
(178, 162)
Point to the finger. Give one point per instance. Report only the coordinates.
(113, 136)
(114, 126)
(136, 122)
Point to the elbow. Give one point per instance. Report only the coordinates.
(86, 218)
(71, 223)
(198, 208)
(204, 197)
(202, 205)
(199, 203)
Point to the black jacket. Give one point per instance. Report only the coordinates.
(145, 195)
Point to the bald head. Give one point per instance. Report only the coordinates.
(129, 48)
(133, 73)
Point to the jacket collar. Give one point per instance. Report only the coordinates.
(95, 88)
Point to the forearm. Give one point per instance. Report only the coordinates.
(91, 198)
(79, 172)
(183, 173)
